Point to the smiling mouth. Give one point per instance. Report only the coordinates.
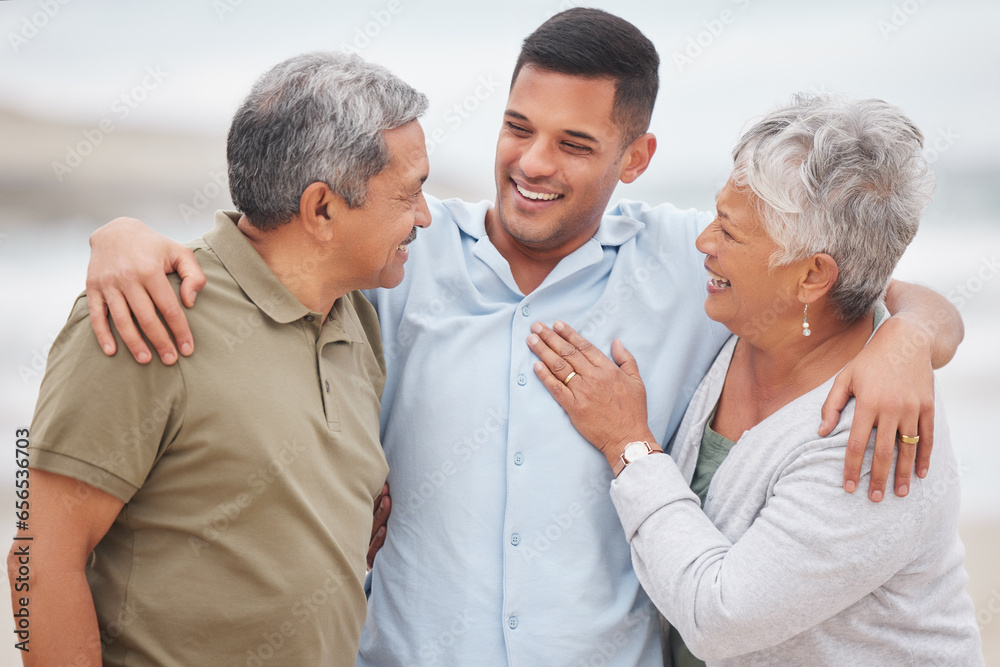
(408, 240)
(536, 196)
(718, 281)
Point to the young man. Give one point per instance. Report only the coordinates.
(503, 546)
(217, 511)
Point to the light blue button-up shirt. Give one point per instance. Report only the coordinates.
(503, 546)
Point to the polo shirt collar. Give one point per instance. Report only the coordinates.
(615, 230)
(251, 272)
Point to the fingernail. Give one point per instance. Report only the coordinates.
(186, 349)
(922, 473)
(850, 485)
(144, 357)
(538, 365)
(558, 326)
(169, 358)
(108, 349)
(532, 339)
(536, 327)
(902, 490)
(877, 496)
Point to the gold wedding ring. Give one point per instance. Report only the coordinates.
(908, 439)
(572, 374)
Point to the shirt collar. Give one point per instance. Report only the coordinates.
(251, 272)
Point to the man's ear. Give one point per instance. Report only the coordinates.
(319, 208)
(636, 158)
(819, 274)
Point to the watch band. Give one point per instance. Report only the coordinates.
(632, 452)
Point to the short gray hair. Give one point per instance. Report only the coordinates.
(314, 117)
(842, 177)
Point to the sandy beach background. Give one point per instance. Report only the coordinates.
(110, 108)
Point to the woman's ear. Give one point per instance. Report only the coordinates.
(819, 274)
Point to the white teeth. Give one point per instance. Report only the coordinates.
(535, 195)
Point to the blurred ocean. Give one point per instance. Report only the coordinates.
(116, 108)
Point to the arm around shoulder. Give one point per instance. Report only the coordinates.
(127, 277)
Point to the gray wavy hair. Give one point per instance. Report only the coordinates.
(315, 117)
(842, 177)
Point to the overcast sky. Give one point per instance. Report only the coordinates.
(722, 62)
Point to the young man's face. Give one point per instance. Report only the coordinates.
(558, 159)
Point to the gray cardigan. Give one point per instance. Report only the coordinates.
(784, 567)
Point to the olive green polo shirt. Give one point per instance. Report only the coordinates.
(248, 472)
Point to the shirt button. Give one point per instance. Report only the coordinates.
(327, 383)
(512, 622)
(521, 380)
(515, 539)
(309, 318)
(518, 459)
(526, 310)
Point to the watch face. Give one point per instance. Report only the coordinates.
(634, 450)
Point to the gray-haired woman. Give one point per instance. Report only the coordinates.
(743, 537)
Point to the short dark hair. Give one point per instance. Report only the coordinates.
(595, 44)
